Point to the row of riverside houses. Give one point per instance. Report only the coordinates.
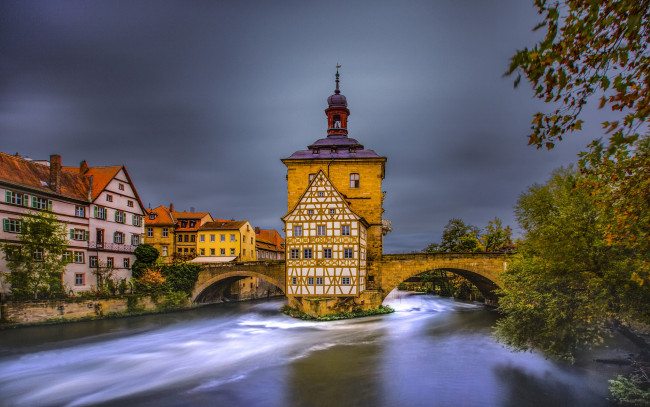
(198, 237)
(106, 221)
(99, 206)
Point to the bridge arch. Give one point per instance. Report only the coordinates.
(214, 274)
(481, 269)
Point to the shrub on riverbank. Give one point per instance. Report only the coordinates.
(295, 313)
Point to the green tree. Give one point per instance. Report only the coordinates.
(180, 277)
(457, 237)
(145, 256)
(496, 237)
(567, 281)
(598, 49)
(38, 261)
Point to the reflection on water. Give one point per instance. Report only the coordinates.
(432, 352)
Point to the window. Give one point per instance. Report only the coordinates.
(321, 194)
(212, 238)
(211, 252)
(332, 211)
(312, 176)
(186, 238)
(180, 238)
(12, 252)
(327, 253)
(80, 211)
(222, 252)
(126, 262)
(345, 281)
(192, 238)
(354, 180)
(118, 237)
(110, 263)
(120, 187)
(149, 232)
(79, 257)
(136, 220)
(15, 198)
(321, 230)
(251, 239)
(135, 240)
(297, 231)
(152, 216)
(92, 261)
(11, 225)
(67, 256)
(183, 223)
(109, 198)
(310, 211)
(295, 253)
(232, 237)
(180, 250)
(165, 232)
(201, 238)
(310, 280)
(319, 280)
(192, 250)
(345, 230)
(202, 252)
(120, 217)
(129, 203)
(100, 212)
(294, 280)
(348, 254)
(164, 251)
(307, 254)
(222, 238)
(192, 223)
(38, 254)
(79, 279)
(232, 251)
(185, 250)
(79, 234)
(41, 203)
(243, 253)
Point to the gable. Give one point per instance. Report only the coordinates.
(321, 197)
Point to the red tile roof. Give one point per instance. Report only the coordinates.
(163, 217)
(224, 225)
(26, 173)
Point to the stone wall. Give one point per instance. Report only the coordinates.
(32, 312)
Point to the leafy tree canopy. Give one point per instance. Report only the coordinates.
(567, 280)
(145, 256)
(458, 237)
(37, 263)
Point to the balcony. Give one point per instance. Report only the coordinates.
(113, 247)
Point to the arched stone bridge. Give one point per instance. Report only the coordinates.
(481, 269)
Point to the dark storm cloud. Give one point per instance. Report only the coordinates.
(200, 100)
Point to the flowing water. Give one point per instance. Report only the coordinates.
(432, 352)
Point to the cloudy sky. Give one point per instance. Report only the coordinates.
(201, 99)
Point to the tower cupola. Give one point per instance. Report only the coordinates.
(337, 111)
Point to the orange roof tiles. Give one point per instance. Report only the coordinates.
(25, 173)
(163, 217)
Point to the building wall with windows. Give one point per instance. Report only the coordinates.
(269, 244)
(159, 231)
(72, 193)
(325, 244)
(230, 240)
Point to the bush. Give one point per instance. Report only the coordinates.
(180, 277)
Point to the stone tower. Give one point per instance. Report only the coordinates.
(333, 185)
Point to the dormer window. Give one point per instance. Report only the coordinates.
(192, 223)
(152, 216)
(183, 223)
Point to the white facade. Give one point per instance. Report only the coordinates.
(19, 198)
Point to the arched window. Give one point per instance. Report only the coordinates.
(354, 180)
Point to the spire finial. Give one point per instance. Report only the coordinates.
(337, 91)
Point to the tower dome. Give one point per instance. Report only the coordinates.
(337, 100)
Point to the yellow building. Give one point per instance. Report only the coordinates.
(173, 233)
(335, 219)
(159, 231)
(226, 241)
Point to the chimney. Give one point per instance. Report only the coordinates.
(192, 209)
(171, 207)
(55, 173)
(257, 230)
(17, 155)
(83, 167)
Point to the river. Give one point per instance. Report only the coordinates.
(432, 351)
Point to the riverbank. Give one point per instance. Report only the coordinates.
(295, 313)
